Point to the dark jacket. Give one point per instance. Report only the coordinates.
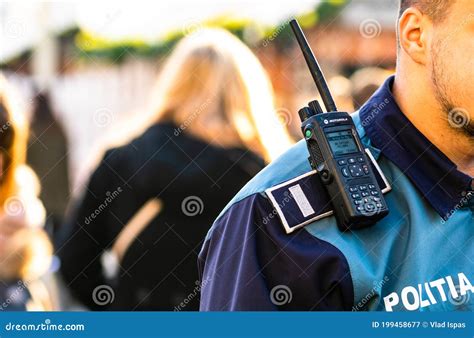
(14, 296)
(193, 179)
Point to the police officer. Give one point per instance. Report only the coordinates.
(419, 127)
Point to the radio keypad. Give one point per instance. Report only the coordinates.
(365, 168)
(342, 162)
(356, 170)
(353, 167)
(366, 199)
(364, 196)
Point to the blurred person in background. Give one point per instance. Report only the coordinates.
(365, 82)
(132, 239)
(25, 249)
(341, 89)
(48, 156)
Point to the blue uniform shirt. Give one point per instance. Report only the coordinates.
(420, 257)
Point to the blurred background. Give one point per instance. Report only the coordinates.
(84, 70)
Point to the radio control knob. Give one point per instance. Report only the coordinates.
(325, 176)
(305, 113)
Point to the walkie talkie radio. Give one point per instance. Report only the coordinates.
(337, 154)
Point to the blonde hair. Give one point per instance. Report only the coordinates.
(214, 87)
(13, 140)
(25, 250)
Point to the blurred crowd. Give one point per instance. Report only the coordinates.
(129, 239)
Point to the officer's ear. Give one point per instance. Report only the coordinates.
(413, 34)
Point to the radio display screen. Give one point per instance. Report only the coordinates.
(342, 142)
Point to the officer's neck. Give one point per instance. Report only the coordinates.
(416, 99)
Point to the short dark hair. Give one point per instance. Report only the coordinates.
(435, 9)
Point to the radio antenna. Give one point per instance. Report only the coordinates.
(313, 66)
